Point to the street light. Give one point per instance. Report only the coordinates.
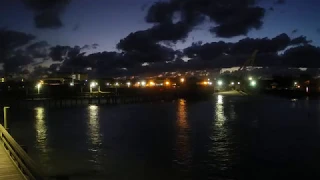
(253, 83)
(250, 78)
(93, 85)
(182, 80)
(38, 86)
(143, 83)
(151, 83)
(220, 83)
(232, 83)
(128, 84)
(167, 83)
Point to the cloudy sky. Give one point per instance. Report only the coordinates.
(105, 22)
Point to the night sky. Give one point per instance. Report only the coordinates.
(106, 22)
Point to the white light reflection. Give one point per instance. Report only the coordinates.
(182, 148)
(220, 117)
(93, 125)
(41, 129)
(221, 148)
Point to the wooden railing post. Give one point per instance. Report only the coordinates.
(5, 122)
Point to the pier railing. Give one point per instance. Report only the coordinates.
(26, 165)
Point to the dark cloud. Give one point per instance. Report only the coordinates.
(74, 52)
(279, 1)
(141, 47)
(208, 51)
(38, 49)
(300, 40)
(17, 63)
(294, 31)
(54, 67)
(232, 17)
(234, 54)
(169, 31)
(264, 45)
(11, 54)
(11, 40)
(95, 46)
(86, 47)
(241, 23)
(302, 56)
(39, 71)
(47, 20)
(47, 12)
(160, 12)
(59, 53)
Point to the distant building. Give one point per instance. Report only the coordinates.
(74, 76)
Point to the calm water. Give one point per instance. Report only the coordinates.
(225, 137)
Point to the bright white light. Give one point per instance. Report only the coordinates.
(232, 83)
(220, 82)
(220, 99)
(93, 107)
(93, 84)
(72, 84)
(182, 80)
(143, 83)
(295, 83)
(210, 83)
(239, 83)
(116, 84)
(128, 84)
(38, 85)
(108, 84)
(253, 83)
(250, 78)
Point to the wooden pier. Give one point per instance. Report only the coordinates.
(15, 163)
(8, 170)
(54, 102)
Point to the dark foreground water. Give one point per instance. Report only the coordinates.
(225, 137)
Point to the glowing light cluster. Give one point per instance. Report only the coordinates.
(93, 84)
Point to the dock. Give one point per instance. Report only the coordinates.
(8, 170)
(15, 163)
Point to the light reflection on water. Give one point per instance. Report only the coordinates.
(41, 133)
(93, 124)
(41, 128)
(94, 136)
(219, 112)
(220, 149)
(210, 139)
(182, 145)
